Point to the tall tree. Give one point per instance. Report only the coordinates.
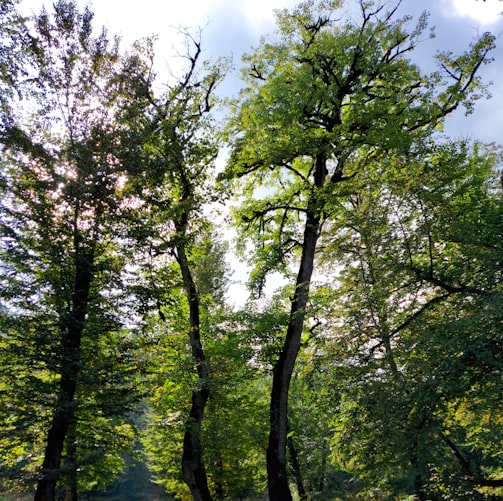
(320, 104)
(61, 187)
(173, 142)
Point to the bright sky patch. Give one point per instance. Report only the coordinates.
(485, 13)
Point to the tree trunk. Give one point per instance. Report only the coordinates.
(282, 373)
(46, 487)
(194, 473)
(64, 413)
(193, 470)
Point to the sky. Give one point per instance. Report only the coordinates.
(231, 28)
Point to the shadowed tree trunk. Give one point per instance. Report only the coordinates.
(282, 374)
(194, 473)
(64, 413)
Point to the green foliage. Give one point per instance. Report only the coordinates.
(108, 230)
(13, 48)
(63, 295)
(234, 433)
(169, 408)
(342, 90)
(417, 325)
(313, 395)
(332, 155)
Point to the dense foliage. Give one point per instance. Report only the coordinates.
(372, 372)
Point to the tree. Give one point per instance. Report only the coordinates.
(234, 431)
(62, 267)
(173, 143)
(319, 106)
(418, 290)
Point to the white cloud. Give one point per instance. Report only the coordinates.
(485, 13)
